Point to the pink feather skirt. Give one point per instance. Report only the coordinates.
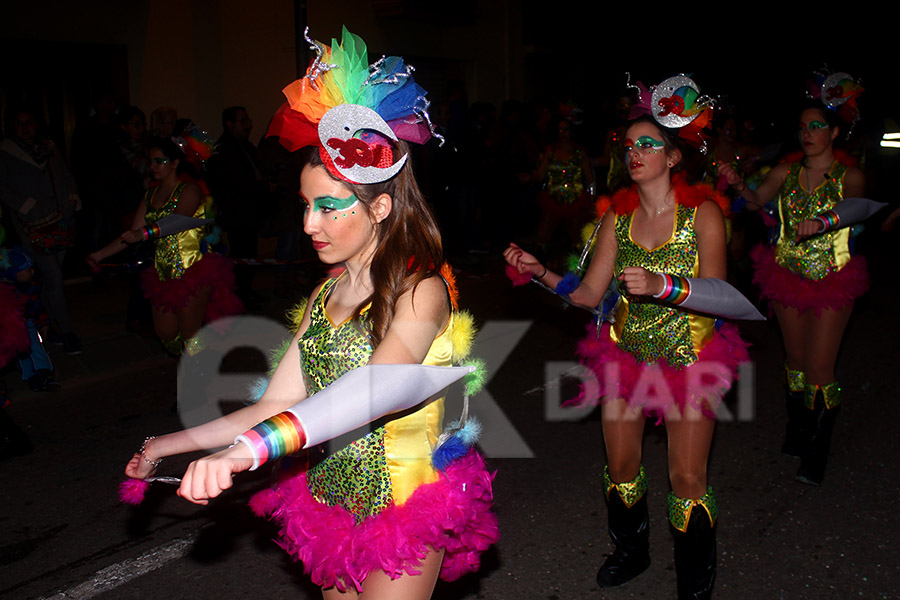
(657, 387)
(212, 270)
(834, 292)
(13, 335)
(452, 514)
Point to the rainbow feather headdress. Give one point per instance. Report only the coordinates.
(353, 111)
(676, 103)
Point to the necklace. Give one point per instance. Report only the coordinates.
(666, 204)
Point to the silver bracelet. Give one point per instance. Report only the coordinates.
(154, 463)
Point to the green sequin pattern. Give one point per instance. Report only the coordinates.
(680, 508)
(796, 380)
(168, 258)
(564, 178)
(652, 330)
(355, 477)
(814, 257)
(629, 491)
(831, 395)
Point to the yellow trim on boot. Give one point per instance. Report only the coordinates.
(680, 509)
(193, 346)
(629, 491)
(831, 394)
(796, 380)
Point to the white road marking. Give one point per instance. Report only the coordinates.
(118, 574)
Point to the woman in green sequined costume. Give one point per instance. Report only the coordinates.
(188, 283)
(812, 280)
(344, 517)
(569, 179)
(684, 227)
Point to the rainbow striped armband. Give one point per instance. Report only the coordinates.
(829, 220)
(675, 289)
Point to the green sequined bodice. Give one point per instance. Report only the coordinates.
(820, 255)
(564, 178)
(355, 477)
(645, 328)
(176, 253)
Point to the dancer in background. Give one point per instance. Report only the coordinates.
(189, 284)
(811, 275)
(663, 241)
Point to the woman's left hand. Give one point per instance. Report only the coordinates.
(638, 281)
(210, 476)
(808, 228)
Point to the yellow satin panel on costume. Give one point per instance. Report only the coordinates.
(818, 256)
(408, 441)
(189, 242)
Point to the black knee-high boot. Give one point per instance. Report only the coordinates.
(822, 406)
(794, 436)
(695, 544)
(629, 529)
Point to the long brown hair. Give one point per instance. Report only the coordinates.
(409, 246)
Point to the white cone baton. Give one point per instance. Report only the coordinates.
(851, 211)
(713, 296)
(355, 399)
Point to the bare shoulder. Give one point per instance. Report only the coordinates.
(854, 182)
(709, 210)
(426, 301)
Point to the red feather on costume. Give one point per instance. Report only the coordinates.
(842, 156)
(626, 200)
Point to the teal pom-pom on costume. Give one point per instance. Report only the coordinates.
(258, 388)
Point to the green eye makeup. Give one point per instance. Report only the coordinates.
(332, 203)
(645, 142)
(813, 125)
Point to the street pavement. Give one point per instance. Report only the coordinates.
(64, 534)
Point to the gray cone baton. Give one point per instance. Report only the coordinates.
(716, 297)
(172, 224)
(850, 211)
(355, 399)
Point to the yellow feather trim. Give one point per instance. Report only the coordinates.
(294, 315)
(462, 333)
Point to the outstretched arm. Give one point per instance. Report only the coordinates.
(590, 292)
(418, 318)
(284, 390)
(765, 193)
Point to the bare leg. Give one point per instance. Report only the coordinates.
(623, 435)
(190, 318)
(165, 324)
(793, 331)
(690, 436)
(379, 585)
(823, 340)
